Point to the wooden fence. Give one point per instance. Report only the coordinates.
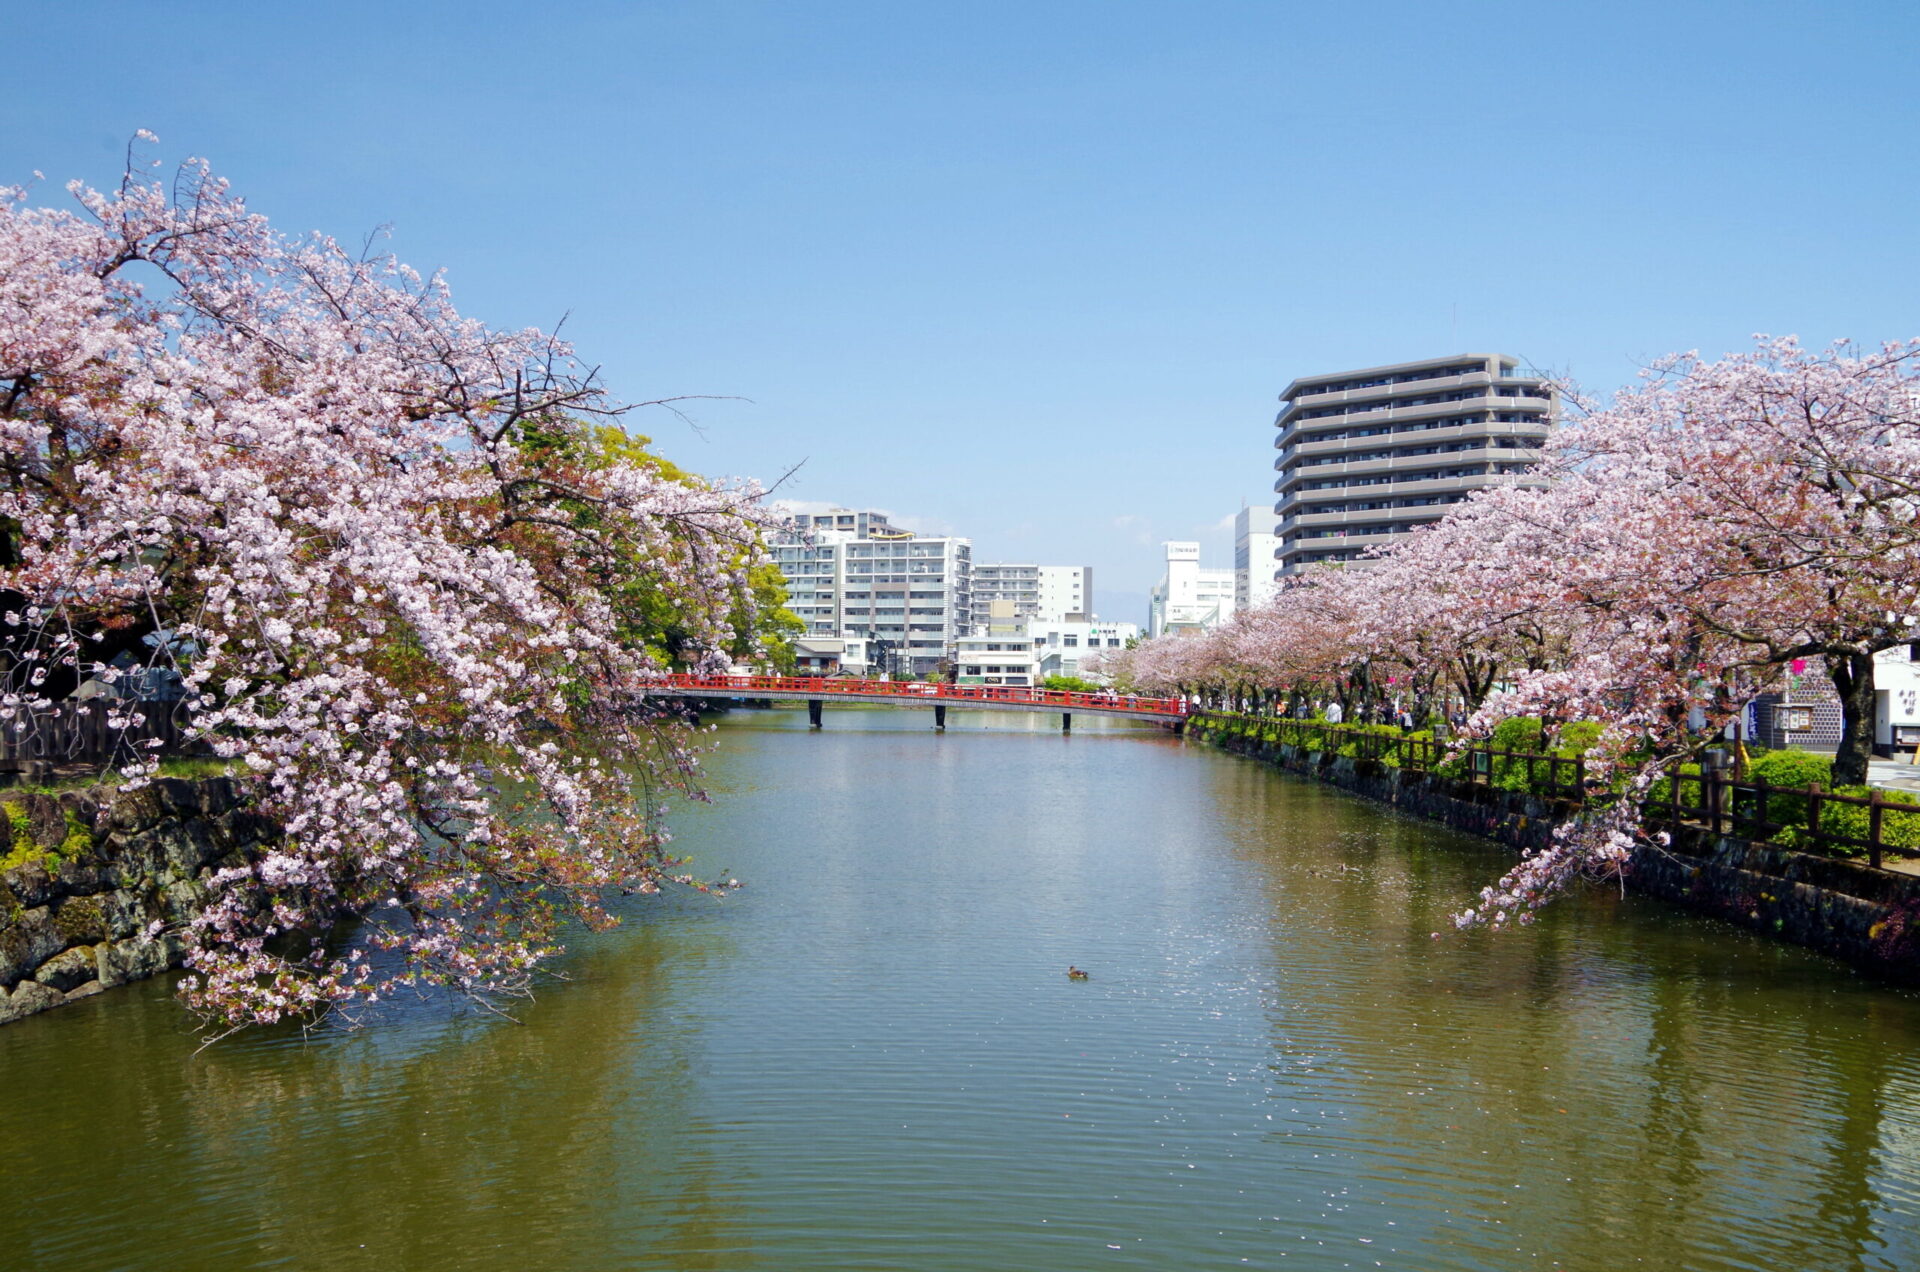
(1809, 816)
(93, 733)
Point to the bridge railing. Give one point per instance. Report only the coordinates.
(926, 691)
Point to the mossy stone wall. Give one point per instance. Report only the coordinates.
(85, 875)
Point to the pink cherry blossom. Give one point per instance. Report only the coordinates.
(1694, 538)
(391, 557)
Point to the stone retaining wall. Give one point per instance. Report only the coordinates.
(89, 873)
(1869, 917)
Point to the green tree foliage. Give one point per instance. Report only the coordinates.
(649, 608)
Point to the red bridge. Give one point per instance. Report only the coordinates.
(819, 690)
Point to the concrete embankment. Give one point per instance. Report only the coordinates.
(1871, 918)
(90, 874)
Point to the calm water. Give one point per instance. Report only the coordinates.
(872, 1057)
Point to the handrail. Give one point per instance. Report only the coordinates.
(928, 691)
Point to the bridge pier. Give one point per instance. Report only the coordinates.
(1066, 722)
(940, 716)
(815, 709)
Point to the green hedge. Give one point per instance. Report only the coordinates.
(1791, 771)
(1797, 769)
(1897, 830)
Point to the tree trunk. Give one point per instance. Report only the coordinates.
(1853, 678)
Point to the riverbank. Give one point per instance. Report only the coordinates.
(95, 884)
(1869, 917)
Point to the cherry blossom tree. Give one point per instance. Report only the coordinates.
(1793, 473)
(397, 560)
(1694, 536)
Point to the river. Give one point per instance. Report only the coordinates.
(872, 1057)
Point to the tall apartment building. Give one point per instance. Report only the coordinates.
(812, 572)
(1189, 597)
(1368, 455)
(854, 575)
(1018, 585)
(1058, 593)
(1253, 558)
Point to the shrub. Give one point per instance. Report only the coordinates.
(1794, 769)
(1660, 794)
(1524, 734)
(1070, 684)
(1851, 822)
(1348, 739)
(1577, 738)
(1518, 733)
(1791, 768)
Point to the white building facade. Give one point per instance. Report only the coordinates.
(1896, 693)
(1065, 648)
(1254, 564)
(1189, 597)
(1066, 593)
(1057, 592)
(829, 656)
(811, 569)
(1017, 584)
(992, 658)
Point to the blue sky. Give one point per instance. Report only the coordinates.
(1036, 272)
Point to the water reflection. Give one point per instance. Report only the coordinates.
(1625, 1079)
(872, 1057)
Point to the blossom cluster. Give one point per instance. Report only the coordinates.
(386, 557)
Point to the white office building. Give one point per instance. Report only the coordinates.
(994, 658)
(1063, 648)
(1189, 597)
(1254, 566)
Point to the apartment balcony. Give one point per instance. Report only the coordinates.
(1292, 480)
(1464, 380)
(1407, 442)
(1294, 503)
(1353, 542)
(1366, 517)
(1440, 384)
(1386, 414)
